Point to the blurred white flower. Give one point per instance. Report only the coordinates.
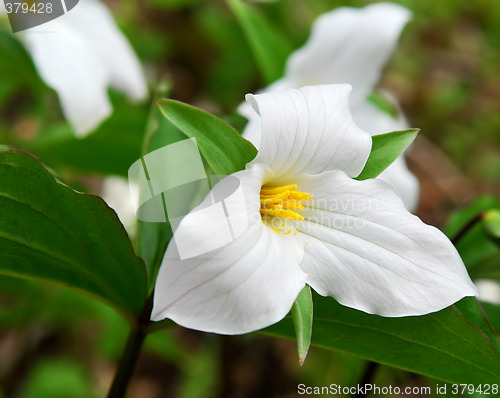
(351, 45)
(80, 55)
(119, 194)
(488, 290)
(307, 221)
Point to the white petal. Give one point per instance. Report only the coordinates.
(403, 181)
(79, 55)
(67, 63)
(368, 252)
(348, 45)
(253, 128)
(246, 285)
(93, 21)
(310, 130)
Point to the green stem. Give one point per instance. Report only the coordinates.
(131, 353)
(463, 231)
(127, 363)
(367, 377)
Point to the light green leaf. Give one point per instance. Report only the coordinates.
(270, 48)
(385, 149)
(58, 379)
(50, 233)
(222, 147)
(491, 221)
(383, 103)
(302, 314)
(479, 252)
(419, 344)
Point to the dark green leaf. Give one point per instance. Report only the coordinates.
(222, 147)
(302, 314)
(385, 149)
(270, 48)
(48, 232)
(472, 310)
(443, 345)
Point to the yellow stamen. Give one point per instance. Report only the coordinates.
(299, 195)
(282, 201)
(274, 198)
(277, 190)
(292, 204)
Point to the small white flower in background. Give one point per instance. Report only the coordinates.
(351, 45)
(119, 194)
(309, 222)
(80, 55)
(488, 290)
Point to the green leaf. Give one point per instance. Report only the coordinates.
(384, 104)
(443, 345)
(491, 221)
(480, 253)
(15, 61)
(302, 314)
(222, 147)
(270, 48)
(385, 149)
(50, 233)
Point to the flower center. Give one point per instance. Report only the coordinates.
(282, 201)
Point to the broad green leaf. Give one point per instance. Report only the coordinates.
(478, 250)
(222, 147)
(493, 314)
(302, 314)
(491, 220)
(50, 233)
(442, 345)
(270, 48)
(385, 149)
(472, 310)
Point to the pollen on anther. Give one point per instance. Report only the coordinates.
(282, 201)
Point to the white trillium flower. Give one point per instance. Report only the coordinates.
(351, 45)
(310, 223)
(80, 55)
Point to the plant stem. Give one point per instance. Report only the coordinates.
(367, 377)
(127, 363)
(131, 353)
(461, 233)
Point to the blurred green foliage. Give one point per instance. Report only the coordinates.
(56, 343)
